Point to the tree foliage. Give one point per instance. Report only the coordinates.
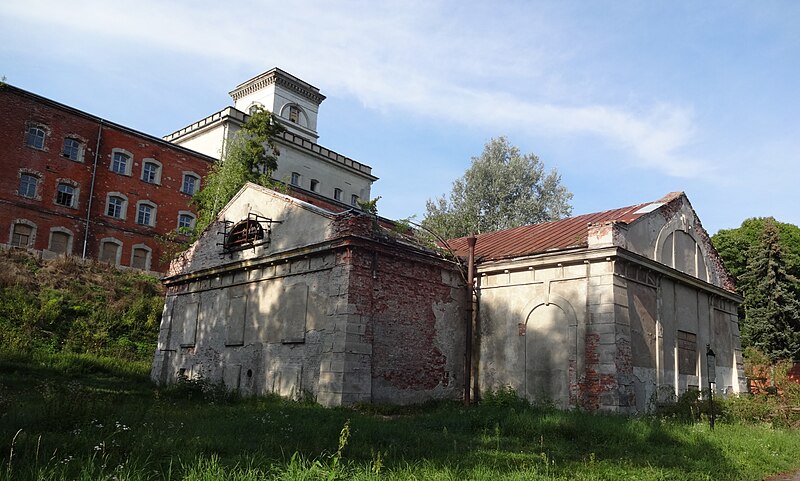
(250, 156)
(502, 188)
(772, 308)
(764, 257)
(734, 244)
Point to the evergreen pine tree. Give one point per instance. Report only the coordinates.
(772, 309)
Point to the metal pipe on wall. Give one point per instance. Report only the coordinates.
(91, 189)
(471, 241)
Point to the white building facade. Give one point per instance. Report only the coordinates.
(302, 163)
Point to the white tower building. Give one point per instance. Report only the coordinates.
(302, 161)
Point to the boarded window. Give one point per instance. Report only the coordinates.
(234, 330)
(108, 252)
(188, 317)
(59, 241)
(687, 353)
(293, 313)
(140, 258)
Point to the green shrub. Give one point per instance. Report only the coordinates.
(504, 397)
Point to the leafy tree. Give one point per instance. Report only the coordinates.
(771, 305)
(503, 188)
(250, 156)
(733, 245)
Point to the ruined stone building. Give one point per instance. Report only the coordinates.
(611, 310)
(283, 296)
(607, 311)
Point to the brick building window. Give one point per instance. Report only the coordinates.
(35, 136)
(110, 250)
(116, 205)
(314, 185)
(22, 234)
(146, 213)
(121, 162)
(28, 184)
(687, 353)
(186, 221)
(337, 194)
(60, 241)
(190, 184)
(151, 172)
(66, 194)
(72, 150)
(140, 257)
(295, 179)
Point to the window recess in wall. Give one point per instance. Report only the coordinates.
(687, 353)
(246, 234)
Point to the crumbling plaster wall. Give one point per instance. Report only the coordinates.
(259, 330)
(567, 308)
(620, 324)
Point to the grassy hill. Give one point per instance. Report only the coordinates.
(65, 305)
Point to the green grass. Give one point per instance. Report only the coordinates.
(77, 417)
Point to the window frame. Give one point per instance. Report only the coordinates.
(294, 114)
(31, 236)
(196, 185)
(123, 208)
(314, 185)
(78, 149)
(295, 179)
(156, 174)
(37, 177)
(33, 141)
(152, 214)
(337, 194)
(128, 165)
(354, 200)
(189, 214)
(74, 194)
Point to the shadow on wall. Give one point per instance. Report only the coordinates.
(239, 334)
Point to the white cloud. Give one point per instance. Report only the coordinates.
(449, 63)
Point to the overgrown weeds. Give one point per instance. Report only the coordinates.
(67, 305)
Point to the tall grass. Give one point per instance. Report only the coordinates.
(68, 305)
(74, 418)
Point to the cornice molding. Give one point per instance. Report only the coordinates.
(278, 77)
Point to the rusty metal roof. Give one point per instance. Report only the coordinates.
(551, 236)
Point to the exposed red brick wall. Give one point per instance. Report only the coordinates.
(396, 295)
(593, 384)
(21, 108)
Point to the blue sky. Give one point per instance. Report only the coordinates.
(628, 100)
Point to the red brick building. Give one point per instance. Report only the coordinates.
(76, 184)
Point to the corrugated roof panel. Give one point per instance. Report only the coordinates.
(557, 235)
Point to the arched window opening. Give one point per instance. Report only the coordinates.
(251, 232)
